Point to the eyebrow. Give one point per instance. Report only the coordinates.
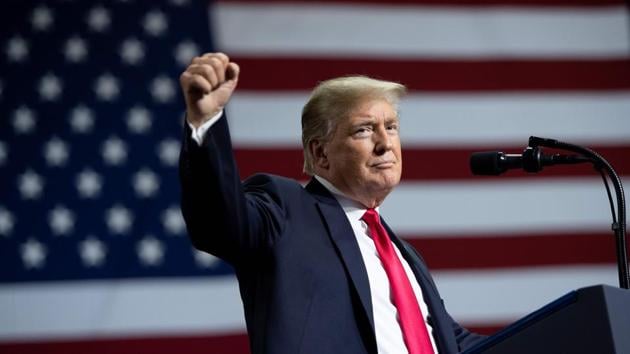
(394, 118)
(364, 119)
(368, 119)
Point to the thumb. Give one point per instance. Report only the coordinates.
(232, 72)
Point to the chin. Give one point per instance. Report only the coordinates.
(385, 183)
(391, 179)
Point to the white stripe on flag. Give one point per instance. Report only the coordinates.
(120, 308)
(495, 207)
(453, 120)
(506, 295)
(102, 309)
(422, 31)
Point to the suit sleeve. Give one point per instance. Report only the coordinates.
(223, 216)
(465, 339)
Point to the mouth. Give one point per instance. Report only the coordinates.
(383, 164)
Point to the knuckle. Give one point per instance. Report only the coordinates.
(208, 70)
(223, 57)
(215, 62)
(184, 77)
(198, 80)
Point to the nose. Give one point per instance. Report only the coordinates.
(382, 141)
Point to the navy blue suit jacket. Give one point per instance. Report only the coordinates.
(302, 279)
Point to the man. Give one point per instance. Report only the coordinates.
(318, 270)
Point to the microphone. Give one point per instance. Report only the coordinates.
(494, 163)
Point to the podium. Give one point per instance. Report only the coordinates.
(593, 320)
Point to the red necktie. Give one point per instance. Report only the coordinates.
(410, 316)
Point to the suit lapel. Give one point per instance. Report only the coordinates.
(342, 235)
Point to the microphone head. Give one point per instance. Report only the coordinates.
(487, 163)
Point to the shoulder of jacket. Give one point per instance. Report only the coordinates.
(271, 181)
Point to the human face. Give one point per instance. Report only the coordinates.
(363, 157)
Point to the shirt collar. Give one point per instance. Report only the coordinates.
(352, 208)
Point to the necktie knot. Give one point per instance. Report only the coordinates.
(371, 217)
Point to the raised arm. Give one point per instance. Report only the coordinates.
(221, 217)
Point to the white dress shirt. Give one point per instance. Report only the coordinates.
(199, 133)
(389, 339)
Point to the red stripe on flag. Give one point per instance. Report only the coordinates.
(510, 251)
(288, 74)
(524, 3)
(487, 329)
(279, 161)
(440, 164)
(225, 344)
(421, 163)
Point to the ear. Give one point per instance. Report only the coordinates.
(319, 153)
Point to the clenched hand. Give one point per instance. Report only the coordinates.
(208, 83)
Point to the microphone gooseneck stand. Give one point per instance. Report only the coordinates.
(619, 222)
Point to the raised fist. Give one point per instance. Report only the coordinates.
(208, 83)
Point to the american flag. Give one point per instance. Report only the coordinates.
(93, 252)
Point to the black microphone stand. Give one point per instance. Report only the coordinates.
(619, 222)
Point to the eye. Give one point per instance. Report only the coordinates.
(393, 127)
(362, 131)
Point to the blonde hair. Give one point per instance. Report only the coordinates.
(335, 99)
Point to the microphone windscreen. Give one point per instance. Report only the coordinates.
(486, 163)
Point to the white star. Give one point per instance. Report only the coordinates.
(168, 151)
(205, 260)
(107, 87)
(150, 251)
(33, 254)
(119, 219)
(42, 18)
(114, 151)
(23, 120)
(61, 220)
(173, 221)
(50, 87)
(89, 183)
(185, 52)
(56, 152)
(139, 120)
(81, 119)
(7, 221)
(17, 49)
(163, 89)
(99, 19)
(132, 51)
(155, 23)
(145, 183)
(75, 49)
(30, 185)
(92, 251)
(4, 153)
